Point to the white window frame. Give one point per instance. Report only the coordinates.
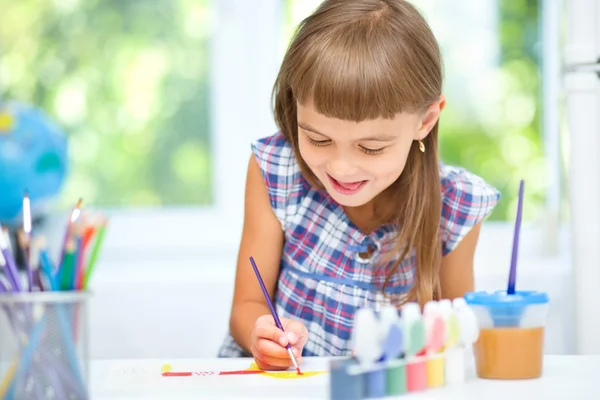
(582, 90)
(245, 57)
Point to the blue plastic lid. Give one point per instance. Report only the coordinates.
(501, 299)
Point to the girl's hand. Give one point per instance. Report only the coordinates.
(268, 342)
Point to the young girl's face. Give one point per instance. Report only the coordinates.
(356, 161)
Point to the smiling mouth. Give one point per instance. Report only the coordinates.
(346, 188)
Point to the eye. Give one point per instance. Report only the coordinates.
(317, 142)
(372, 152)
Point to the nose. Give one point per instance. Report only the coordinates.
(341, 165)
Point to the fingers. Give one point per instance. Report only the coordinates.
(270, 354)
(269, 342)
(296, 331)
(270, 348)
(267, 364)
(272, 333)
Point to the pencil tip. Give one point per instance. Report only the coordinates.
(298, 369)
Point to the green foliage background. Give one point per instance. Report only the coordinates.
(129, 82)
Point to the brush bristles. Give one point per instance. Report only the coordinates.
(3, 238)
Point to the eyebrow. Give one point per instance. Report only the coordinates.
(380, 137)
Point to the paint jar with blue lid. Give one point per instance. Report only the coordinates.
(511, 333)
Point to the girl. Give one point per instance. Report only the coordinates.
(349, 205)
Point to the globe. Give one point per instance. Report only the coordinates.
(33, 158)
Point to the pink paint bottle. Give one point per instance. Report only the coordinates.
(414, 331)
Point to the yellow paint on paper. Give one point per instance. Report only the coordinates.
(286, 374)
(254, 367)
(166, 368)
(293, 375)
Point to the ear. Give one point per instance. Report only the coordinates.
(430, 117)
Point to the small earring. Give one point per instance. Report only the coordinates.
(421, 146)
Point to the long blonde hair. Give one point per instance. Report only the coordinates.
(364, 59)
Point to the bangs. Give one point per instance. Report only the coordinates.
(360, 73)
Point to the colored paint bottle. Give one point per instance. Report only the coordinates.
(414, 330)
(455, 365)
(344, 383)
(454, 352)
(367, 346)
(416, 373)
(396, 377)
(436, 365)
(435, 328)
(468, 334)
(393, 349)
(375, 382)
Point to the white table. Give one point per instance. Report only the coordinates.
(564, 377)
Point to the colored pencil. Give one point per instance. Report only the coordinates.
(26, 242)
(66, 270)
(95, 252)
(75, 213)
(70, 273)
(10, 264)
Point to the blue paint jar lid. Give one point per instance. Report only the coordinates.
(521, 298)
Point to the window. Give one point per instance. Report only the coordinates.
(160, 101)
(129, 83)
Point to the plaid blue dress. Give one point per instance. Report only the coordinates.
(323, 281)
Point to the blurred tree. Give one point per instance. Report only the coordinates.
(511, 147)
(128, 81)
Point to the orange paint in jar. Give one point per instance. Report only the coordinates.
(509, 353)
(511, 333)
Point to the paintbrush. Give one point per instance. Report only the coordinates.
(274, 313)
(512, 277)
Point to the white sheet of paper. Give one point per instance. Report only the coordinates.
(133, 378)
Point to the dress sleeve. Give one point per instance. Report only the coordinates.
(466, 200)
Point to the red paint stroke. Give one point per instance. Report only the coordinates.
(242, 372)
(211, 373)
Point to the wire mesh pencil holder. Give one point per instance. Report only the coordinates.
(44, 345)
